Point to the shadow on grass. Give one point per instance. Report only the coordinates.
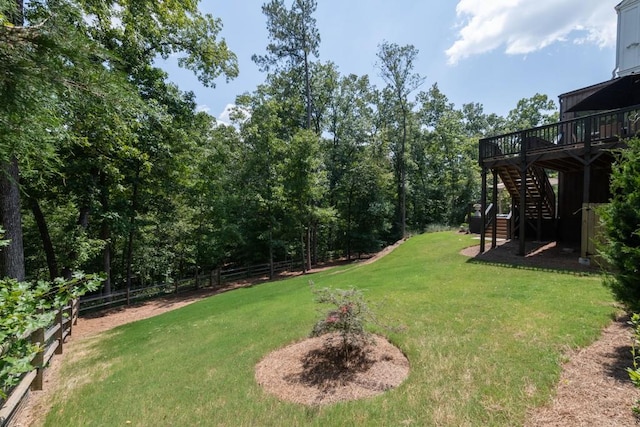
(539, 256)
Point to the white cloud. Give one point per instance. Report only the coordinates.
(225, 115)
(203, 107)
(522, 27)
(232, 109)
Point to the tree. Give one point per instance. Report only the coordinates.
(86, 47)
(34, 65)
(396, 65)
(621, 221)
(531, 112)
(294, 37)
(303, 183)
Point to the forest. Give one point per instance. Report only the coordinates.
(108, 167)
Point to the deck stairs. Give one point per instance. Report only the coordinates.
(540, 198)
(502, 228)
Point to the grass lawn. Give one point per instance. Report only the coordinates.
(485, 344)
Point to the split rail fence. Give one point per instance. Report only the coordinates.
(51, 340)
(214, 278)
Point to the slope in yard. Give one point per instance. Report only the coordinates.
(485, 344)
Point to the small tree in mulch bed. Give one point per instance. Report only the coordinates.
(345, 325)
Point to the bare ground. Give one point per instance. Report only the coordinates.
(593, 390)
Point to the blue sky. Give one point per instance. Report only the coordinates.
(494, 52)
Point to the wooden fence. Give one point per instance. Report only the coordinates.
(51, 340)
(214, 278)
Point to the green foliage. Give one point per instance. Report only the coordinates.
(634, 372)
(485, 344)
(130, 179)
(348, 315)
(531, 112)
(621, 221)
(25, 307)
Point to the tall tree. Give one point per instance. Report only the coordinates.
(293, 39)
(531, 112)
(396, 65)
(33, 61)
(62, 52)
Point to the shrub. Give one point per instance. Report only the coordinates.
(347, 316)
(621, 222)
(26, 307)
(634, 373)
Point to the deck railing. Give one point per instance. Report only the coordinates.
(600, 127)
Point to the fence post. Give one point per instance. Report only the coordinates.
(219, 277)
(211, 278)
(37, 337)
(197, 278)
(76, 311)
(60, 333)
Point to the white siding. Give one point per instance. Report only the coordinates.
(628, 38)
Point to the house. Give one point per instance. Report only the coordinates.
(596, 121)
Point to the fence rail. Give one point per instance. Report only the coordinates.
(215, 278)
(51, 340)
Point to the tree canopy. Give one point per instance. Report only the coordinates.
(109, 167)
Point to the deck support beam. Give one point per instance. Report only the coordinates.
(523, 196)
(483, 209)
(494, 224)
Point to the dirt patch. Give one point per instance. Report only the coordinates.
(304, 373)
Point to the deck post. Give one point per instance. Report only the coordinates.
(483, 209)
(523, 194)
(494, 225)
(539, 225)
(586, 187)
(586, 190)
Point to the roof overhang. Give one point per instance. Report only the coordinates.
(617, 93)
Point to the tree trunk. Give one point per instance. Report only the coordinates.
(105, 234)
(403, 176)
(12, 256)
(132, 220)
(271, 269)
(307, 88)
(308, 242)
(302, 246)
(47, 245)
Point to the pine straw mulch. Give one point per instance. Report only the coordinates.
(315, 372)
(594, 388)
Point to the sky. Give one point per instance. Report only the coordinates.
(492, 52)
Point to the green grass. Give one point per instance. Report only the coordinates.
(485, 344)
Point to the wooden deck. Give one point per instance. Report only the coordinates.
(582, 150)
(563, 146)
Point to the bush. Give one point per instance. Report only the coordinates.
(621, 222)
(348, 316)
(25, 307)
(634, 373)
